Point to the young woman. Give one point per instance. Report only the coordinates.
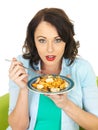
(50, 47)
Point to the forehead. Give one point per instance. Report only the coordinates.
(46, 29)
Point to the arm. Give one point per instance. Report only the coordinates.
(18, 118)
(85, 119)
(88, 118)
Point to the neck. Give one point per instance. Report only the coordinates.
(51, 69)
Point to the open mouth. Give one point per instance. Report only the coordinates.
(50, 57)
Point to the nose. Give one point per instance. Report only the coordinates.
(50, 47)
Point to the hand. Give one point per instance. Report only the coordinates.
(18, 74)
(60, 100)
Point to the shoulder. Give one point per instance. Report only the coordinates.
(83, 65)
(81, 60)
(79, 63)
(84, 70)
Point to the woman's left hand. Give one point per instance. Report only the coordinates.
(59, 99)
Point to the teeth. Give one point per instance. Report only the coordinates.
(50, 56)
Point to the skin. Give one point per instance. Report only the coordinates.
(47, 39)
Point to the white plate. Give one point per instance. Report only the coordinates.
(70, 86)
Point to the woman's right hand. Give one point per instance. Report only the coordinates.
(18, 74)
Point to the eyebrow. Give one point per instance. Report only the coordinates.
(41, 36)
(46, 38)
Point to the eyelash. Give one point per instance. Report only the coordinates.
(42, 40)
(58, 40)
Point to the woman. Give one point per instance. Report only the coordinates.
(50, 47)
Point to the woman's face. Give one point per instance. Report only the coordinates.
(49, 45)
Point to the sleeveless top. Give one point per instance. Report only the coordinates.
(49, 115)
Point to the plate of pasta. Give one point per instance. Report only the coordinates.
(50, 84)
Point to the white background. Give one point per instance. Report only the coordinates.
(16, 14)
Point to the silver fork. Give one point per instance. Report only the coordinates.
(31, 69)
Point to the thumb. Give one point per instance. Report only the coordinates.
(68, 75)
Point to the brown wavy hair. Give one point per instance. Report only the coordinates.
(65, 28)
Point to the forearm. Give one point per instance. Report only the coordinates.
(84, 119)
(19, 119)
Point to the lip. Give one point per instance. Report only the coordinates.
(50, 57)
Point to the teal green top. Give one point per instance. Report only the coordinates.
(49, 115)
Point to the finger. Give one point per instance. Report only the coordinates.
(57, 96)
(17, 71)
(68, 75)
(14, 63)
(23, 77)
(21, 81)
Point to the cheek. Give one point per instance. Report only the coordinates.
(39, 49)
(41, 52)
(61, 49)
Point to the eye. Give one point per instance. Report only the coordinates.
(42, 40)
(58, 40)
